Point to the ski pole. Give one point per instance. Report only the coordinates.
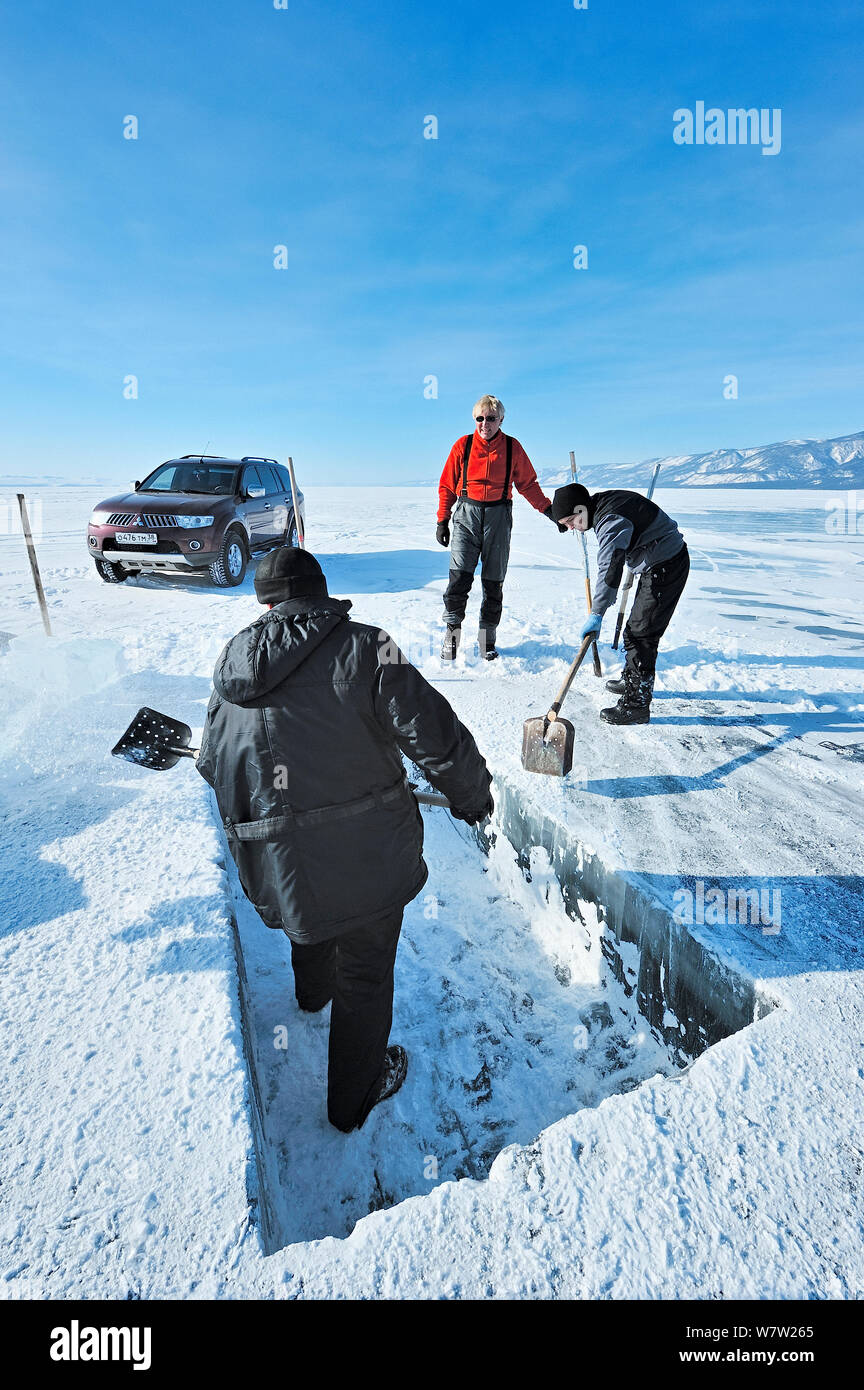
(598, 669)
(628, 582)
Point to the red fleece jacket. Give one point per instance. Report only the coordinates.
(486, 469)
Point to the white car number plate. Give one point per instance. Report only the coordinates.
(136, 537)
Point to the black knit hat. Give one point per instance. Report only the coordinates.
(565, 500)
(289, 572)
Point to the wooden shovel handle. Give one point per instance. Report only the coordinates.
(559, 698)
(431, 799)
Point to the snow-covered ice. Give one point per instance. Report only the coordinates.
(572, 1157)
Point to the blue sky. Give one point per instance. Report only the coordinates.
(410, 257)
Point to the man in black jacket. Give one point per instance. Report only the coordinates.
(302, 748)
(630, 530)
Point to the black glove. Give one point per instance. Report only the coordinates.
(474, 817)
(548, 512)
(442, 533)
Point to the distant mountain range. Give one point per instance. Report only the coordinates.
(796, 463)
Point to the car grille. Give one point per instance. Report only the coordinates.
(163, 548)
(146, 519)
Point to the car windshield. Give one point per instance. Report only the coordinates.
(190, 475)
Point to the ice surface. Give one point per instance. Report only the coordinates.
(128, 1164)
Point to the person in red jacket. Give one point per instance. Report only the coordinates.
(476, 490)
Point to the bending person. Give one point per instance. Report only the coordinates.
(632, 531)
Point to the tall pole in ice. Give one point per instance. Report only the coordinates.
(34, 563)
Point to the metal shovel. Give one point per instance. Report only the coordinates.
(158, 741)
(155, 740)
(547, 743)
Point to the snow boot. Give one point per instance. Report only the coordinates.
(450, 645)
(617, 685)
(394, 1073)
(622, 713)
(634, 706)
(313, 1008)
(486, 643)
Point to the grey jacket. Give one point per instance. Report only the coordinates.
(630, 530)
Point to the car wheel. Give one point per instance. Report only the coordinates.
(112, 574)
(229, 569)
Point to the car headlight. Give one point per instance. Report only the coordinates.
(99, 518)
(189, 523)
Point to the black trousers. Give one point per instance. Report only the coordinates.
(356, 971)
(480, 532)
(656, 599)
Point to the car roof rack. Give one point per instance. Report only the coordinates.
(256, 458)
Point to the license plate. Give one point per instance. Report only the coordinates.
(136, 537)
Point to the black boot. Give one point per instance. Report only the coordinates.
(313, 1008)
(395, 1071)
(634, 707)
(486, 643)
(450, 645)
(616, 685)
(622, 713)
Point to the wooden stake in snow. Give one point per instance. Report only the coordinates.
(34, 563)
(298, 519)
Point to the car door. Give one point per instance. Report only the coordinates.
(257, 510)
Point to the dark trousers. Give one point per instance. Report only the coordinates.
(656, 599)
(479, 531)
(356, 971)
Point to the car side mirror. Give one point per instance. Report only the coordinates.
(254, 492)
(136, 484)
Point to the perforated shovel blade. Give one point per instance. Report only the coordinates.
(552, 756)
(151, 739)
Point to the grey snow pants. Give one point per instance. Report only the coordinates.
(479, 531)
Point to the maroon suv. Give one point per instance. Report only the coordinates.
(193, 514)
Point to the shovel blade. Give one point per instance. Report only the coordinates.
(552, 755)
(151, 739)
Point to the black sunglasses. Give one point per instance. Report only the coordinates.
(489, 419)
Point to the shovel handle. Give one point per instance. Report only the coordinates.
(568, 681)
(598, 669)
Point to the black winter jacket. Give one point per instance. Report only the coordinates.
(302, 748)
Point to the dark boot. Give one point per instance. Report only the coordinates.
(634, 707)
(314, 1008)
(616, 685)
(395, 1071)
(622, 713)
(450, 645)
(486, 643)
